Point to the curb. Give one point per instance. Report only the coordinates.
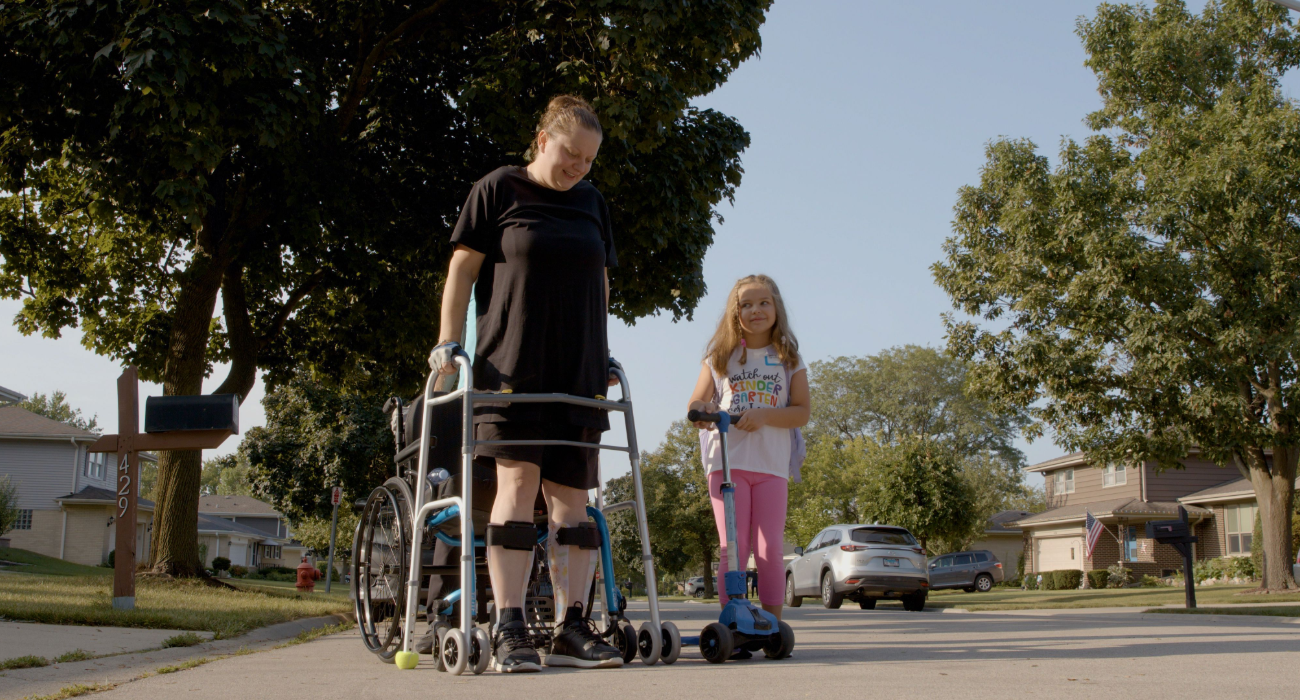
(124, 668)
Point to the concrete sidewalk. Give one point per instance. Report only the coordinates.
(124, 668)
(849, 652)
(51, 641)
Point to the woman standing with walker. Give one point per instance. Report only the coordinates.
(533, 244)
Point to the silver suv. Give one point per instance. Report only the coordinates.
(863, 563)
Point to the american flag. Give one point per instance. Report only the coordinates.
(1095, 528)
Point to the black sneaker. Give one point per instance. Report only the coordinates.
(577, 645)
(513, 649)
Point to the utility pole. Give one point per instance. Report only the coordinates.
(335, 496)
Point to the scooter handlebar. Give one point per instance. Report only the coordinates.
(702, 417)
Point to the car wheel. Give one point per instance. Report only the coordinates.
(791, 600)
(830, 599)
(984, 583)
(867, 603)
(914, 602)
(969, 589)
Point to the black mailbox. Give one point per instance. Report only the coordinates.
(163, 414)
(1168, 531)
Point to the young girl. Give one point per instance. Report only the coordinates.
(752, 368)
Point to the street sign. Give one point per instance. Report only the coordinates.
(336, 496)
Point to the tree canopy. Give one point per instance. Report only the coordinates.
(864, 409)
(678, 512)
(304, 161)
(1141, 297)
(55, 406)
(317, 437)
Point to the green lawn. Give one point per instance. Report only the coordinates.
(78, 598)
(1269, 611)
(1016, 599)
(338, 590)
(26, 562)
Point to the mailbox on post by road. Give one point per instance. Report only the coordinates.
(1177, 533)
(171, 423)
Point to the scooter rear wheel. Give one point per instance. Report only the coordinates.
(780, 645)
(625, 641)
(716, 643)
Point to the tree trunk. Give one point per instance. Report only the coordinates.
(1275, 493)
(176, 546)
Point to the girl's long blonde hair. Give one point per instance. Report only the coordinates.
(728, 336)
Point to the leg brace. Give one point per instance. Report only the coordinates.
(513, 535)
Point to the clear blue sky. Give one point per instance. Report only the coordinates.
(865, 119)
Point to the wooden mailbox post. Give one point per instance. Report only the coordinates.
(171, 423)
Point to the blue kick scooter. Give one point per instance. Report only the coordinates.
(742, 625)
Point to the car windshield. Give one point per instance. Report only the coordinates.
(868, 535)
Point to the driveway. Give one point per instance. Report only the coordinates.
(843, 653)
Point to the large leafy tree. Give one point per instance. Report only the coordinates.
(678, 512)
(55, 406)
(1141, 298)
(302, 162)
(317, 437)
(863, 404)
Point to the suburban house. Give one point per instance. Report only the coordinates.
(1004, 538)
(1220, 507)
(66, 496)
(67, 501)
(248, 532)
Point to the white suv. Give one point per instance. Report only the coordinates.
(863, 563)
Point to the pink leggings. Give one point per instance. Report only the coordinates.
(760, 509)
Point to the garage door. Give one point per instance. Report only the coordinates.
(1056, 553)
(238, 554)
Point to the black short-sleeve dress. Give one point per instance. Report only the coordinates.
(541, 323)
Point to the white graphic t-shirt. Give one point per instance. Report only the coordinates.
(762, 382)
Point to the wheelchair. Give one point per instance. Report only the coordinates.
(416, 540)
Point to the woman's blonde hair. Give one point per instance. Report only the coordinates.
(728, 337)
(563, 114)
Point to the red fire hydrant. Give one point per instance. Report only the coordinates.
(307, 575)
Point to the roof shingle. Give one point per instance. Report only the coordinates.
(19, 422)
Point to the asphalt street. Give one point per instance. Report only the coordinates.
(839, 653)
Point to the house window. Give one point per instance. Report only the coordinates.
(1063, 482)
(95, 462)
(24, 521)
(1131, 543)
(1114, 475)
(270, 551)
(1240, 527)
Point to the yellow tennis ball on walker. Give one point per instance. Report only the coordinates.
(407, 660)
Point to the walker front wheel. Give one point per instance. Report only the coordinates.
(455, 656)
(649, 643)
(672, 642)
(480, 651)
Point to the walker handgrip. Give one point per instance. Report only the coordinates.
(702, 417)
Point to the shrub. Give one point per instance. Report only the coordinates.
(1067, 579)
(220, 564)
(1257, 547)
(8, 505)
(321, 566)
(1207, 569)
(1118, 576)
(280, 576)
(1241, 567)
(1097, 578)
(1149, 581)
(238, 571)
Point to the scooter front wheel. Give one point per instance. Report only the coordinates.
(716, 643)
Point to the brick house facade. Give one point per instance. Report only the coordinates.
(1124, 499)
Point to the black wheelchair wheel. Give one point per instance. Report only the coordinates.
(380, 574)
